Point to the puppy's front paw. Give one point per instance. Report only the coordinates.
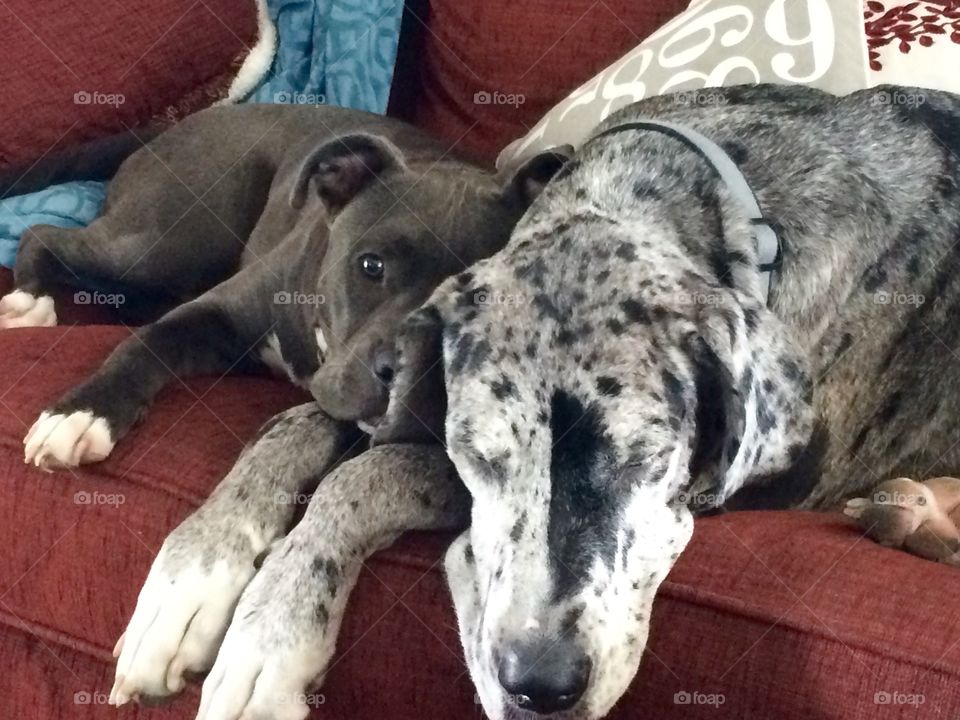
(182, 613)
(279, 643)
(59, 440)
(21, 309)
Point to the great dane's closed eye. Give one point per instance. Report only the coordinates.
(631, 369)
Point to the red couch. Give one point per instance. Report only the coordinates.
(779, 615)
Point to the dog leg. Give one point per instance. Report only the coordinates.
(284, 630)
(221, 330)
(85, 424)
(38, 270)
(205, 563)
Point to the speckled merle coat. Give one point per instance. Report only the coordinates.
(625, 367)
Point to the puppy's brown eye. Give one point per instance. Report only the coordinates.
(921, 500)
(372, 266)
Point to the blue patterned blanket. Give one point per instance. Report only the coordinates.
(336, 52)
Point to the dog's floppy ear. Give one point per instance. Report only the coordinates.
(755, 412)
(418, 398)
(524, 182)
(342, 167)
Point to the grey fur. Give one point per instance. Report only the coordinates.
(641, 376)
(251, 223)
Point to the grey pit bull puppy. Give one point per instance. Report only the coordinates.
(295, 236)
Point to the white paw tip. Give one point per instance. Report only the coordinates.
(67, 440)
(21, 309)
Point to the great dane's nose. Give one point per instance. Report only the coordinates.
(544, 675)
(384, 364)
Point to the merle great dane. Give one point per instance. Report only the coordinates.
(650, 367)
(625, 362)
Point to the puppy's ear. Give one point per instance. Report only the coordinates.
(755, 414)
(418, 399)
(342, 167)
(523, 183)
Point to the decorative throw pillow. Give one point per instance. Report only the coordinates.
(820, 43)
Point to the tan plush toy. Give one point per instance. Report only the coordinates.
(921, 517)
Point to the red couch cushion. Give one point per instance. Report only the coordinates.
(784, 615)
(156, 55)
(537, 50)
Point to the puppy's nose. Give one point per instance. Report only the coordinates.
(384, 364)
(544, 675)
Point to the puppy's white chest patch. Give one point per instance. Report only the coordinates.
(321, 344)
(272, 356)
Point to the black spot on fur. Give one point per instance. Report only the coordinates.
(766, 418)
(583, 501)
(424, 498)
(626, 251)
(874, 278)
(941, 123)
(737, 151)
(516, 532)
(469, 353)
(535, 271)
(503, 388)
(607, 385)
(913, 267)
(615, 326)
(643, 190)
(845, 342)
(673, 391)
(890, 408)
(547, 307)
(635, 312)
(321, 613)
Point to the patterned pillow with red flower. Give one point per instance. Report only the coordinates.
(914, 43)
